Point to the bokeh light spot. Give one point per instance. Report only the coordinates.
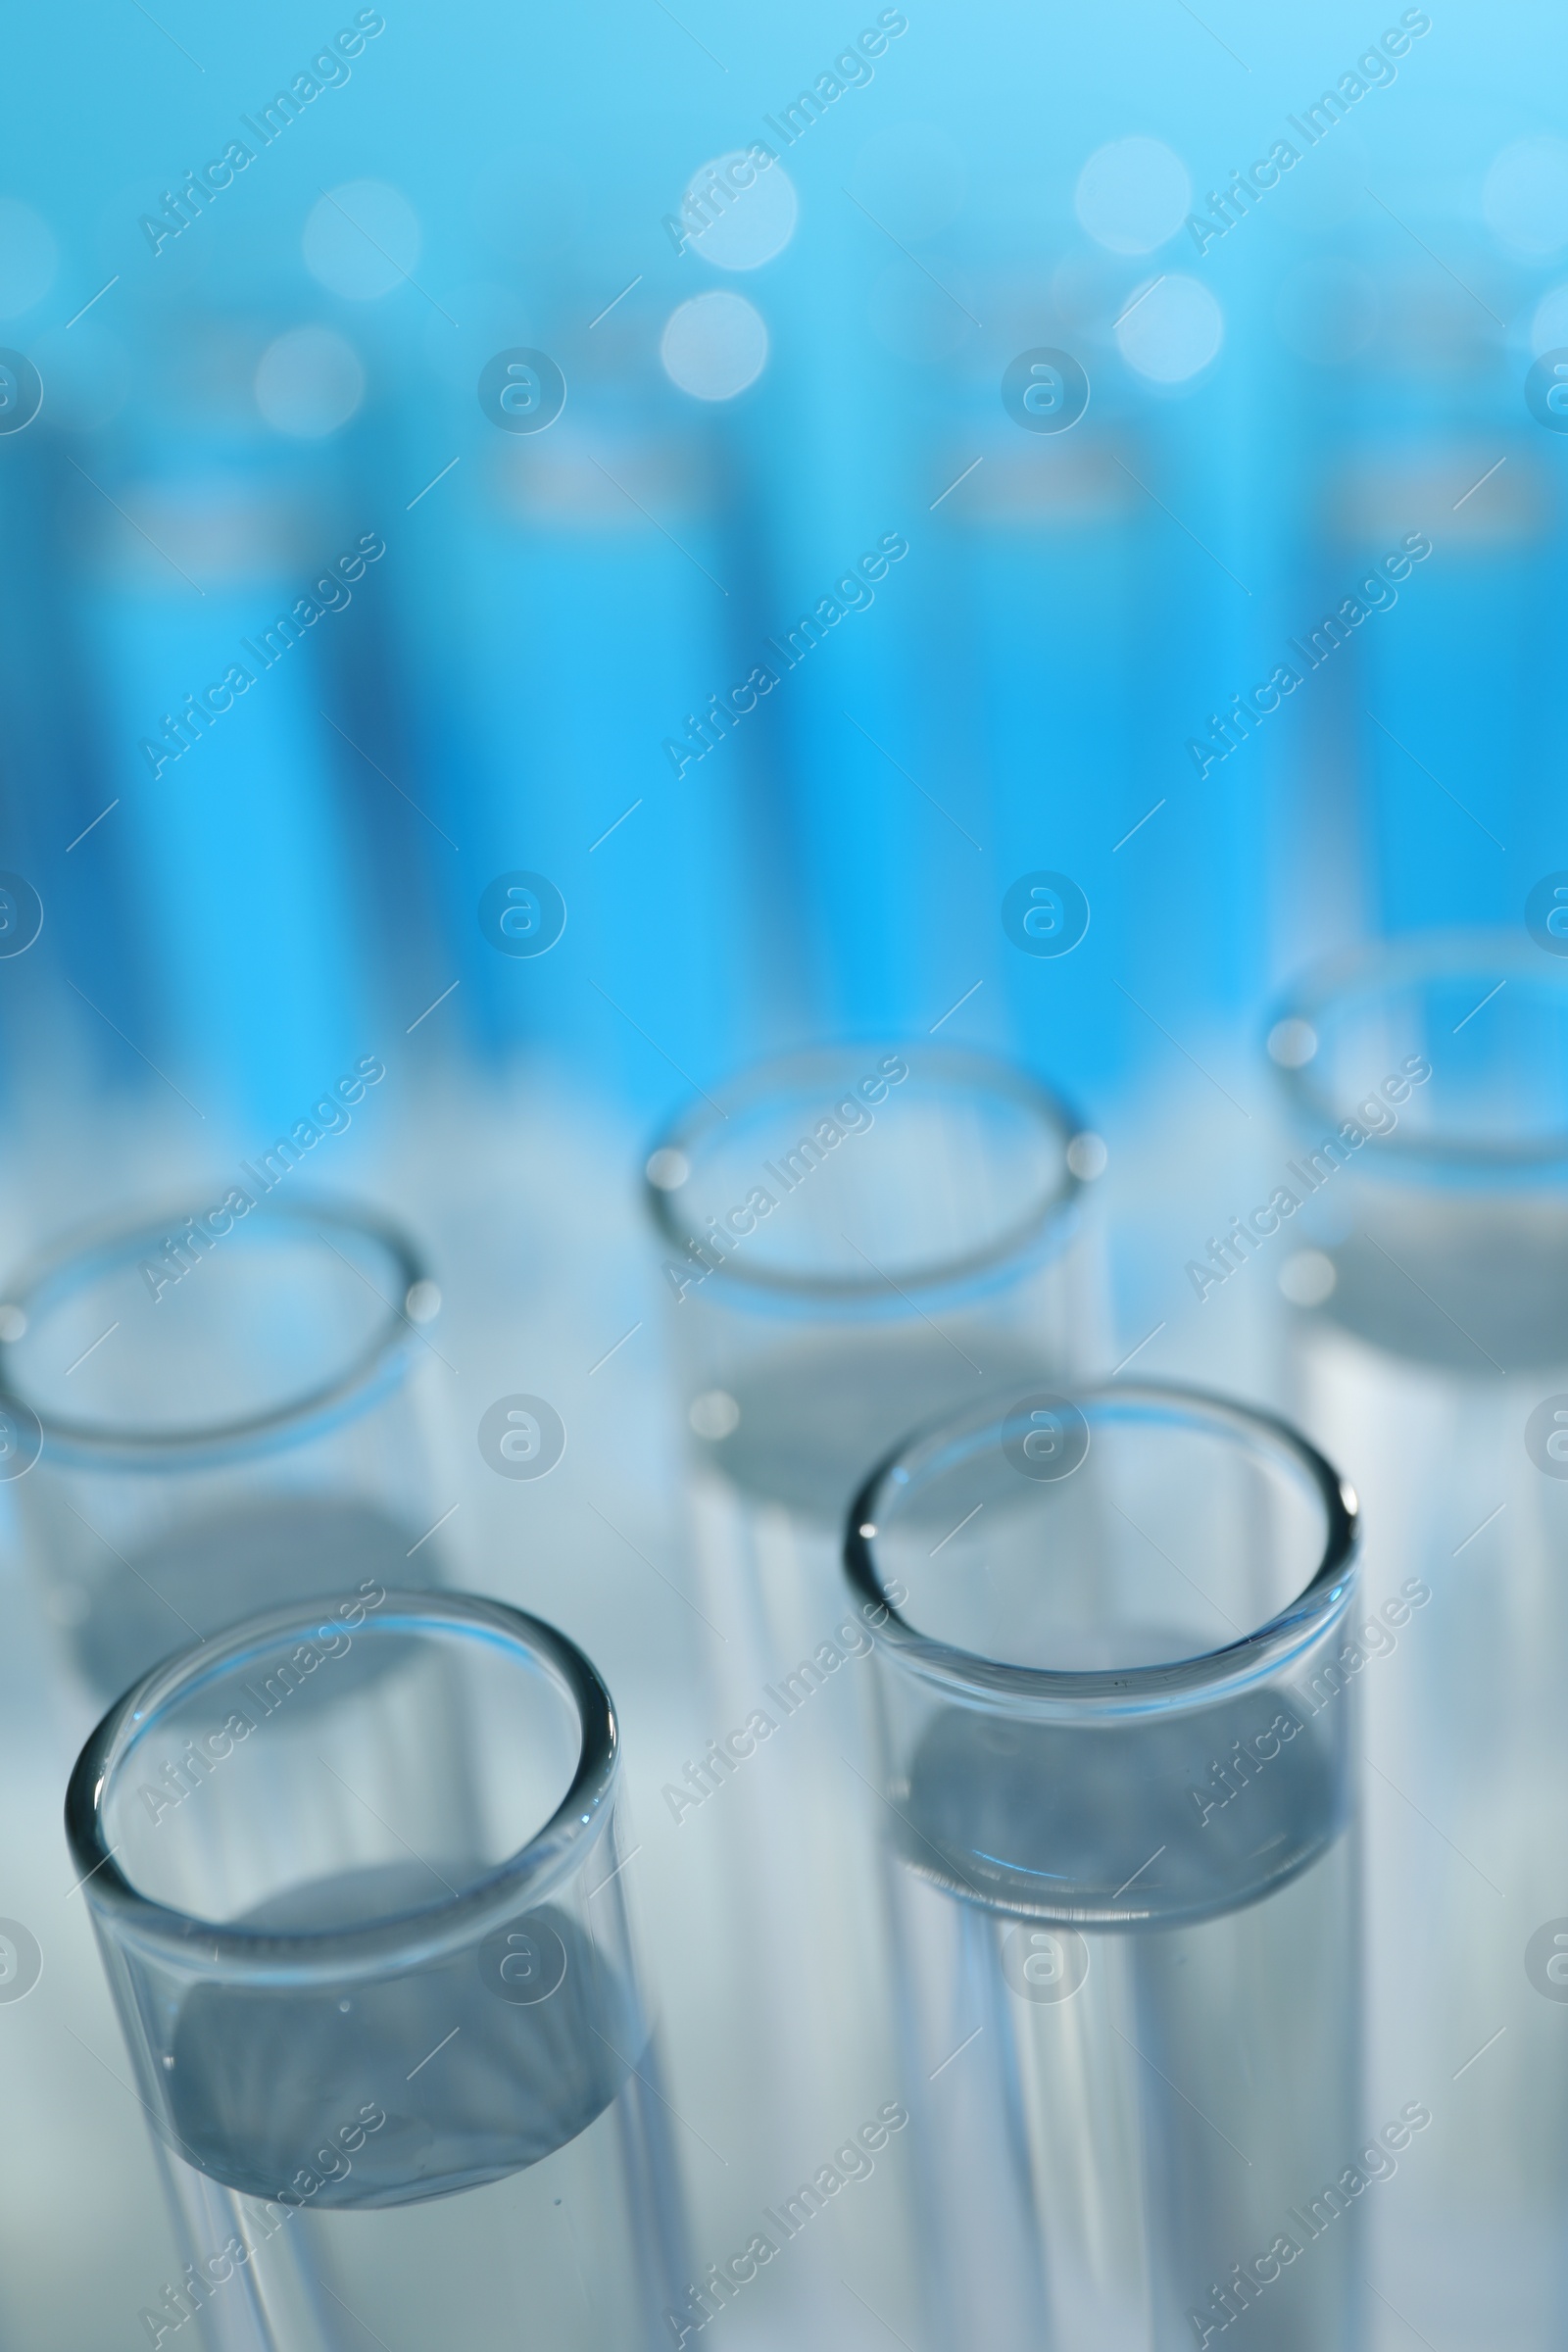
(309, 382)
(1172, 330)
(361, 240)
(745, 225)
(713, 346)
(1524, 198)
(1132, 195)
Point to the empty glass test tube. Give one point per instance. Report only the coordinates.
(1115, 1757)
(209, 1413)
(356, 1877)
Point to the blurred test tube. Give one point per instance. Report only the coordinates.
(852, 1238)
(1427, 1256)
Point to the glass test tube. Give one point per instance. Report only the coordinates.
(1121, 1873)
(211, 1412)
(855, 1238)
(354, 1874)
(1427, 1261)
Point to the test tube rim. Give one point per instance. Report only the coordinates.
(79, 1258)
(701, 1115)
(402, 1939)
(1116, 1693)
(1378, 965)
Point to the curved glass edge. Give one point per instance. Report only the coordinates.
(366, 1380)
(1419, 955)
(1111, 1692)
(1136, 1917)
(986, 1072)
(405, 1939)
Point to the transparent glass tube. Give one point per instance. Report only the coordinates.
(1427, 1271)
(1116, 1781)
(855, 1238)
(211, 1412)
(356, 1877)
(852, 1238)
